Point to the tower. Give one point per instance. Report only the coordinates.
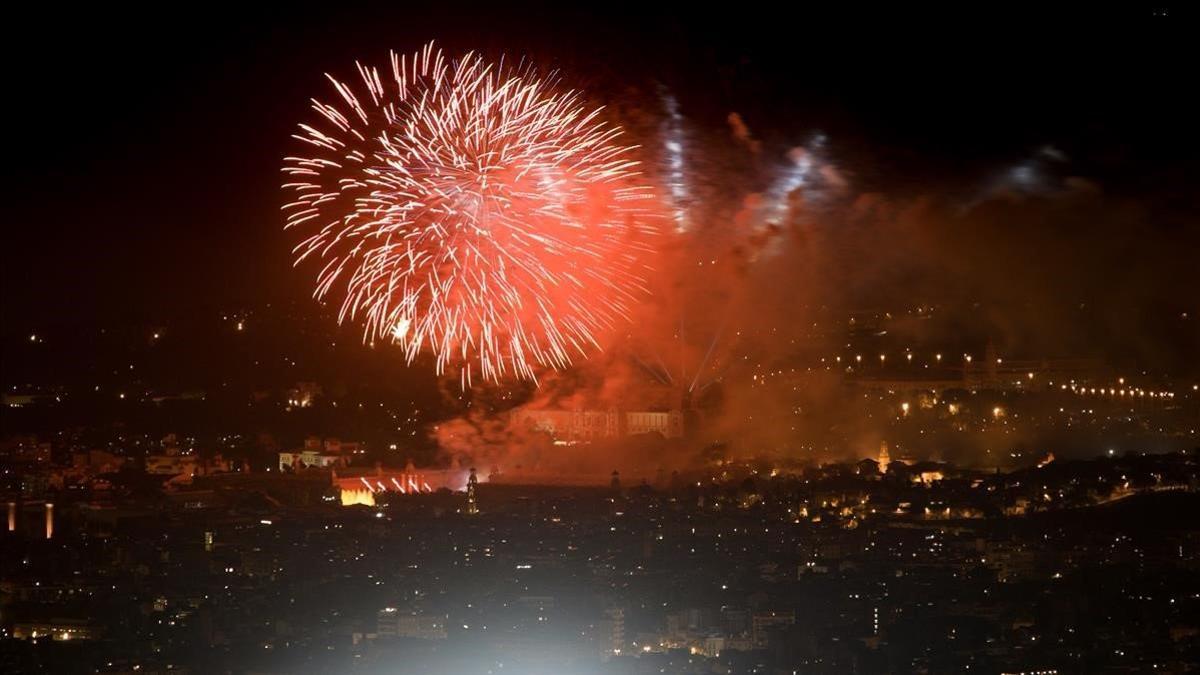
(885, 458)
(472, 484)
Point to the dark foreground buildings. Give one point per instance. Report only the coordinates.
(1065, 568)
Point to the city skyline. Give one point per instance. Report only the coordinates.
(588, 340)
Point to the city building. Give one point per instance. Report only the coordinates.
(579, 425)
(391, 622)
(328, 454)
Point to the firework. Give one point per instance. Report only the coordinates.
(673, 142)
(470, 210)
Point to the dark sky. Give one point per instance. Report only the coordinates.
(144, 146)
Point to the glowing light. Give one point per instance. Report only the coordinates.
(362, 497)
(469, 210)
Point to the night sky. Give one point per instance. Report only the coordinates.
(144, 146)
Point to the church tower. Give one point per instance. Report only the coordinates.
(472, 503)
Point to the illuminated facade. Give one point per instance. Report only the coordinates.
(928, 477)
(303, 459)
(357, 497)
(592, 425)
(363, 488)
(329, 453)
(59, 630)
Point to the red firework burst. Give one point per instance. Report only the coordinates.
(470, 210)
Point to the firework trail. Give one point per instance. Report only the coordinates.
(470, 210)
(673, 137)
